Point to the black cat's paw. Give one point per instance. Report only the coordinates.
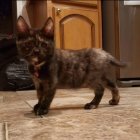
(36, 107)
(113, 102)
(90, 106)
(39, 110)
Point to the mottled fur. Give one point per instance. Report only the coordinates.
(53, 68)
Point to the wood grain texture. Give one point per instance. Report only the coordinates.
(77, 26)
(77, 29)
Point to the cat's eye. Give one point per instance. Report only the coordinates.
(29, 44)
(26, 49)
(44, 45)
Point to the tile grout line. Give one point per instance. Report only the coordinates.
(41, 116)
(28, 104)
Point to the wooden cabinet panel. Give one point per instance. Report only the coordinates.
(36, 11)
(76, 28)
(77, 22)
(80, 2)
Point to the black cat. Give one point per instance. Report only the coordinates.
(52, 68)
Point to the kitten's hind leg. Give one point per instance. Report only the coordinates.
(115, 92)
(99, 91)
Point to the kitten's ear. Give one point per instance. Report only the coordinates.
(22, 26)
(48, 28)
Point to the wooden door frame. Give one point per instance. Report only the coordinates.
(117, 34)
(14, 15)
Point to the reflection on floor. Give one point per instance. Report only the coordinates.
(67, 120)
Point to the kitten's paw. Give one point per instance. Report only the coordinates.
(36, 107)
(39, 110)
(90, 106)
(113, 102)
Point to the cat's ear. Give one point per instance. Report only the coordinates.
(48, 28)
(22, 26)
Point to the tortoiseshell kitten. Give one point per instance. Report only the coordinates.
(51, 68)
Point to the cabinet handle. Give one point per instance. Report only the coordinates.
(58, 11)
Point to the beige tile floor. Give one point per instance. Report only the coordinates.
(67, 120)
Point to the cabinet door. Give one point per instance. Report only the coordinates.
(76, 28)
(79, 2)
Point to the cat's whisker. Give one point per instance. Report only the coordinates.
(39, 65)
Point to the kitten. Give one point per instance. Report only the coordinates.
(53, 68)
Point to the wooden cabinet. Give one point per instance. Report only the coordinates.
(76, 28)
(36, 11)
(77, 23)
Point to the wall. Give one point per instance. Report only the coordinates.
(21, 10)
(108, 19)
(108, 26)
(34, 12)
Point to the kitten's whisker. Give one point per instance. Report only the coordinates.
(39, 65)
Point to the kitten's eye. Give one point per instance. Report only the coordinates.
(44, 45)
(25, 49)
(30, 44)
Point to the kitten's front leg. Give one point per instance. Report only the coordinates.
(39, 90)
(43, 108)
(39, 96)
(31, 69)
(47, 94)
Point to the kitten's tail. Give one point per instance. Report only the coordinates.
(117, 63)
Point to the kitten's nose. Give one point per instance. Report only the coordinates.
(36, 51)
